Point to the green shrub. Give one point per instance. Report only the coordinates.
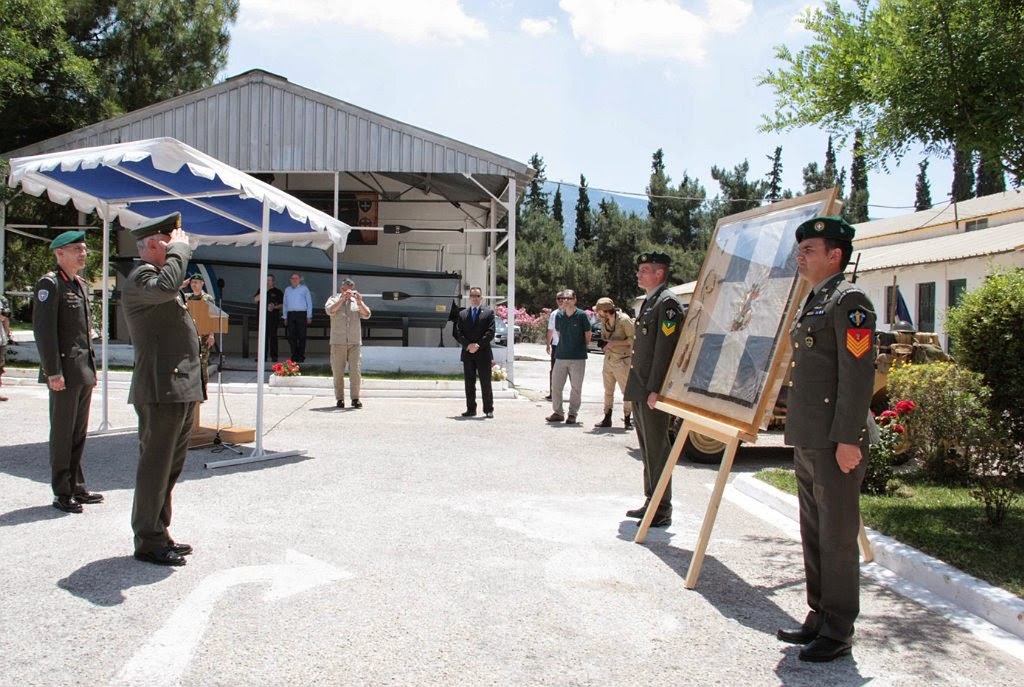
(996, 467)
(952, 413)
(987, 329)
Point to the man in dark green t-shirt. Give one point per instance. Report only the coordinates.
(573, 327)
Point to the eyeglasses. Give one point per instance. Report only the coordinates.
(561, 298)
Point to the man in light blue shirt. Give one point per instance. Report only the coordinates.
(297, 314)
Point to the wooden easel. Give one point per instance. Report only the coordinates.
(731, 436)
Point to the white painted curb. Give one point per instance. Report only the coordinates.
(997, 606)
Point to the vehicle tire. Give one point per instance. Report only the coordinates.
(703, 449)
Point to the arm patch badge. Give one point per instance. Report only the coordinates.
(668, 327)
(42, 295)
(858, 342)
(857, 317)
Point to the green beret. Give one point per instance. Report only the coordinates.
(825, 227)
(159, 225)
(67, 238)
(660, 258)
(196, 276)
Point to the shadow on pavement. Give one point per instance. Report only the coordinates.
(104, 582)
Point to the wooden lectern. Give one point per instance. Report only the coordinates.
(210, 319)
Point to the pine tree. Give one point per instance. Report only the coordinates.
(584, 217)
(856, 208)
(556, 207)
(991, 178)
(536, 197)
(738, 194)
(963, 175)
(922, 188)
(773, 180)
(657, 195)
(829, 172)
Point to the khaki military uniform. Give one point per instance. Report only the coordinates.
(62, 324)
(166, 383)
(658, 325)
(831, 380)
(617, 360)
(346, 345)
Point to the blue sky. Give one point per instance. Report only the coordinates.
(594, 86)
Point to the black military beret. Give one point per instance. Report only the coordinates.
(158, 225)
(67, 238)
(659, 258)
(825, 227)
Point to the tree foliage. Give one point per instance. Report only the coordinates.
(943, 73)
(986, 328)
(584, 215)
(856, 207)
(674, 213)
(922, 188)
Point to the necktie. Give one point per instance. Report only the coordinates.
(474, 314)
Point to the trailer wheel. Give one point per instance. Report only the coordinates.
(703, 449)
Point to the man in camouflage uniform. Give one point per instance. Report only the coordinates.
(828, 424)
(617, 334)
(658, 325)
(62, 324)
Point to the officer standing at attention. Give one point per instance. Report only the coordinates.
(62, 323)
(828, 424)
(166, 382)
(657, 330)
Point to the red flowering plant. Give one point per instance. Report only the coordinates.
(286, 369)
(893, 440)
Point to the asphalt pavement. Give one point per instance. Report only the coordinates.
(410, 546)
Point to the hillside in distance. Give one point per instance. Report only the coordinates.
(571, 193)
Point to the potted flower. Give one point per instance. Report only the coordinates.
(288, 368)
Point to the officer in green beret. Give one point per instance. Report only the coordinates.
(657, 329)
(195, 292)
(62, 323)
(829, 424)
(166, 381)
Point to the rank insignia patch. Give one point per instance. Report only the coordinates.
(858, 316)
(858, 342)
(668, 327)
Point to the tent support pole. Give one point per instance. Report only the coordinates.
(258, 454)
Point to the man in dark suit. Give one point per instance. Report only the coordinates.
(475, 330)
(657, 328)
(62, 324)
(166, 382)
(828, 424)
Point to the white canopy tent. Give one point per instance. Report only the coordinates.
(136, 181)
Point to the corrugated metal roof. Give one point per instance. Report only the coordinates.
(986, 206)
(261, 122)
(1001, 239)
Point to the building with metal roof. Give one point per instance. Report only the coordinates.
(416, 199)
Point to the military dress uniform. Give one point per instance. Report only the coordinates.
(831, 382)
(204, 347)
(62, 324)
(657, 329)
(166, 383)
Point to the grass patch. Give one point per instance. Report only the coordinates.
(944, 522)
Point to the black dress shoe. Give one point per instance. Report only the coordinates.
(797, 635)
(489, 415)
(89, 497)
(825, 649)
(637, 512)
(181, 549)
(469, 413)
(356, 403)
(339, 404)
(68, 504)
(165, 556)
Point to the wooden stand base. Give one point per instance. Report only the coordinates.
(204, 436)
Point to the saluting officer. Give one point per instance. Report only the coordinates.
(67, 365)
(166, 382)
(828, 424)
(657, 329)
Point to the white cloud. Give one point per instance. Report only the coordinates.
(537, 27)
(405, 20)
(659, 29)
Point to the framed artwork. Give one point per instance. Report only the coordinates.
(730, 359)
